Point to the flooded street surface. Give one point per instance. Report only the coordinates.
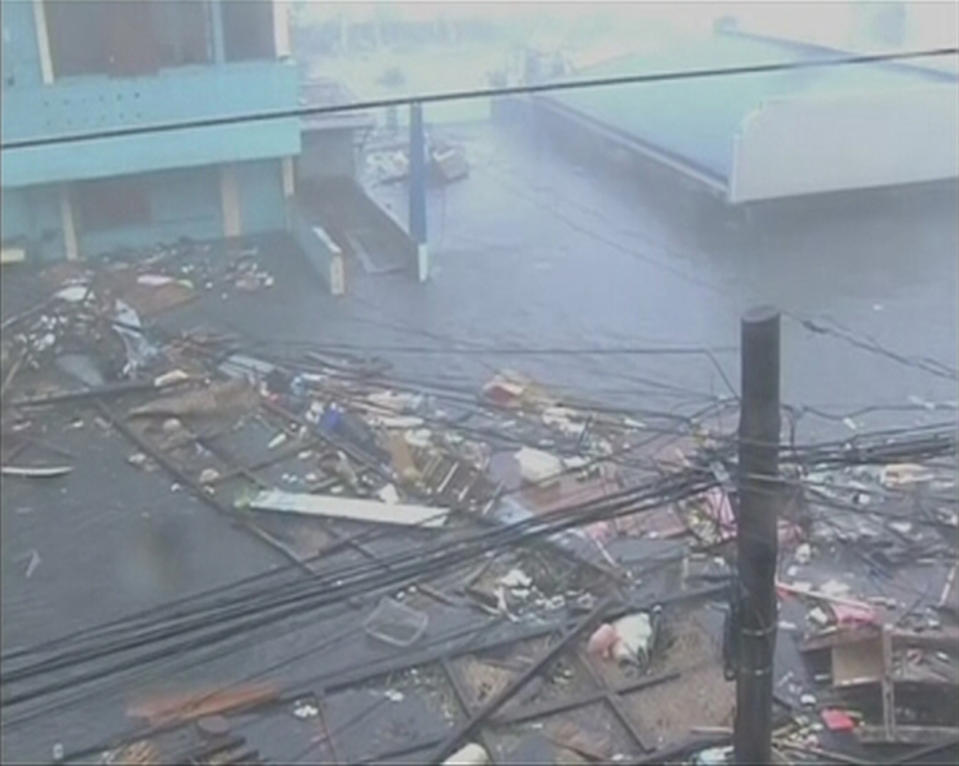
(538, 249)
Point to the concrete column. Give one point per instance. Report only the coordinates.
(43, 41)
(289, 181)
(289, 188)
(230, 199)
(216, 29)
(68, 225)
(281, 29)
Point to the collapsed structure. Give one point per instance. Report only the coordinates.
(303, 556)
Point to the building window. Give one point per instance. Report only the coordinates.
(111, 203)
(127, 38)
(247, 29)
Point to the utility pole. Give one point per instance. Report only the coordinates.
(757, 539)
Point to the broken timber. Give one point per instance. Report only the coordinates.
(496, 701)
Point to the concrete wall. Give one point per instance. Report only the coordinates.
(326, 154)
(806, 145)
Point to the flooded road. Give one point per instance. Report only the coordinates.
(542, 249)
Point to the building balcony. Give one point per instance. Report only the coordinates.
(88, 104)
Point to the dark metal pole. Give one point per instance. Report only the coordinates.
(757, 533)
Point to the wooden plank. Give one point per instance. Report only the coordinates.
(872, 734)
(859, 663)
(349, 508)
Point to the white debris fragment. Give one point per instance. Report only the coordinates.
(635, 632)
(803, 554)
(471, 755)
(305, 710)
(209, 475)
(138, 459)
(516, 578)
(388, 494)
(807, 700)
(418, 438)
(393, 695)
(276, 441)
(902, 527)
(169, 378)
(818, 616)
(834, 589)
(537, 466)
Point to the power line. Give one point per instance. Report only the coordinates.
(431, 98)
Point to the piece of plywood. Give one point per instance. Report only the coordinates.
(859, 663)
(354, 509)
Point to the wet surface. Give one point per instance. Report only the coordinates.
(537, 250)
(531, 251)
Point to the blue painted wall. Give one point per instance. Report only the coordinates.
(181, 167)
(183, 203)
(31, 217)
(80, 105)
(21, 60)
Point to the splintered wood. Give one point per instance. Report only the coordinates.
(186, 706)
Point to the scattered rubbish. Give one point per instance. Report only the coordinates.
(170, 378)
(82, 367)
(305, 710)
(395, 623)
(850, 615)
(902, 527)
(277, 441)
(470, 755)
(896, 475)
(213, 726)
(719, 510)
(32, 563)
(231, 397)
(837, 720)
(139, 350)
(187, 706)
(602, 641)
(516, 578)
(818, 616)
(349, 508)
(635, 639)
(803, 554)
(58, 752)
(393, 695)
(713, 756)
(138, 459)
(36, 472)
(807, 700)
(537, 466)
(209, 475)
(388, 494)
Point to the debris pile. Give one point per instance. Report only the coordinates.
(507, 560)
